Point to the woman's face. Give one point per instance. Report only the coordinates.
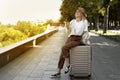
(78, 14)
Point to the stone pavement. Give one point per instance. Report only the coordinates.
(41, 61)
(106, 58)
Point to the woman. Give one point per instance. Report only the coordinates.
(77, 27)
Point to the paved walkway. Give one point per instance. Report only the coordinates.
(106, 58)
(41, 61)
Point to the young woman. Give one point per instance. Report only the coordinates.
(77, 27)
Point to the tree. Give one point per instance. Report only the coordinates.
(92, 7)
(13, 33)
(114, 12)
(95, 10)
(106, 14)
(29, 29)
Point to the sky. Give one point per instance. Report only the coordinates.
(28, 10)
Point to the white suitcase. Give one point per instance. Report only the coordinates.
(80, 60)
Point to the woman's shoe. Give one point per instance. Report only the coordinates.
(56, 75)
(67, 69)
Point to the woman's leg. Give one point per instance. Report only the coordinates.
(66, 48)
(60, 66)
(61, 61)
(64, 57)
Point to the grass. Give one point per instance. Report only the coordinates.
(110, 35)
(101, 32)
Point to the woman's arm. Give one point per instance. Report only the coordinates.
(84, 32)
(85, 27)
(67, 24)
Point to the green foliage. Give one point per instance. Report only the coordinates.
(49, 21)
(106, 3)
(94, 8)
(29, 29)
(114, 10)
(10, 35)
(13, 33)
(68, 8)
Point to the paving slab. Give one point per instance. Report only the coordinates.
(40, 62)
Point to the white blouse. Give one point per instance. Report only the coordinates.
(77, 28)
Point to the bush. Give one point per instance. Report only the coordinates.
(13, 33)
(29, 29)
(10, 35)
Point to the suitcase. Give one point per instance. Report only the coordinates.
(80, 60)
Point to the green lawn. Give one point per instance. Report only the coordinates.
(101, 32)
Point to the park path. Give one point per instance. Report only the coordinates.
(40, 62)
(106, 58)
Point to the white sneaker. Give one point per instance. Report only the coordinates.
(67, 69)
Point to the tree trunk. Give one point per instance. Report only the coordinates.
(97, 23)
(106, 15)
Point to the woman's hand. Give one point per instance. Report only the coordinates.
(67, 24)
(84, 32)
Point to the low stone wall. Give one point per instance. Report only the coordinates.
(10, 52)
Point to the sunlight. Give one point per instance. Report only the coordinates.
(28, 10)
